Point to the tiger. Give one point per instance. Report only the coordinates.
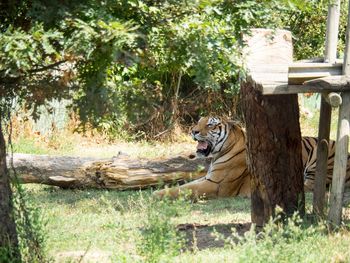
(228, 176)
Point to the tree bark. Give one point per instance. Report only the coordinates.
(273, 153)
(8, 233)
(272, 125)
(121, 172)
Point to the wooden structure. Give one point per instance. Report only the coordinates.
(272, 127)
(271, 77)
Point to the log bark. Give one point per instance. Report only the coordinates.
(121, 172)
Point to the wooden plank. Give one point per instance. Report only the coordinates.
(301, 66)
(324, 126)
(301, 72)
(327, 84)
(342, 143)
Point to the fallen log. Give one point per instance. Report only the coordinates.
(120, 173)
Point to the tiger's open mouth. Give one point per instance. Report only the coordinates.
(203, 148)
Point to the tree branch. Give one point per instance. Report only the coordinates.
(51, 66)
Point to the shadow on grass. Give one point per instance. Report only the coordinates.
(124, 200)
(199, 237)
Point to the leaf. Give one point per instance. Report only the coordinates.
(48, 48)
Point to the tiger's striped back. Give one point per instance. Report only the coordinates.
(309, 157)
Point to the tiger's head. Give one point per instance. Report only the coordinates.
(211, 134)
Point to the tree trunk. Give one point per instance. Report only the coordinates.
(273, 153)
(8, 233)
(272, 124)
(121, 173)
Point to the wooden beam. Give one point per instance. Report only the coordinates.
(298, 73)
(321, 85)
(334, 99)
(333, 83)
(342, 143)
(274, 154)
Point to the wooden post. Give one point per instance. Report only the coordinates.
(273, 133)
(332, 31)
(341, 153)
(325, 112)
(322, 157)
(273, 153)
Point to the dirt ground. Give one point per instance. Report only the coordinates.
(199, 237)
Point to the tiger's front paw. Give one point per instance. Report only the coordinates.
(171, 193)
(160, 193)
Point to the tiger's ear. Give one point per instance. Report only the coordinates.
(200, 118)
(231, 123)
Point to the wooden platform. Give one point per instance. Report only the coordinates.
(271, 68)
(273, 79)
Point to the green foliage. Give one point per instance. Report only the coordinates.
(103, 47)
(29, 223)
(133, 65)
(141, 65)
(160, 240)
(24, 51)
(6, 255)
(308, 26)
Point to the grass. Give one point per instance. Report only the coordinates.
(65, 143)
(109, 226)
(312, 247)
(110, 222)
